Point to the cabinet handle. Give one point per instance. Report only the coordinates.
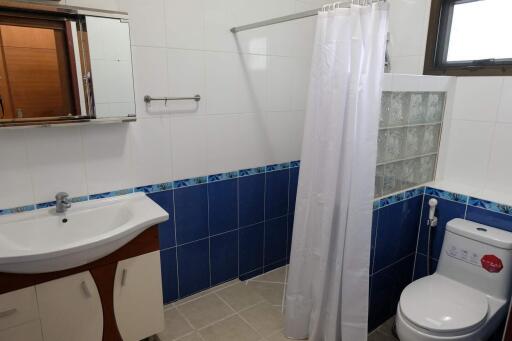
(8, 313)
(123, 277)
(85, 289)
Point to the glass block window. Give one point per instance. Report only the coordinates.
(409, 135)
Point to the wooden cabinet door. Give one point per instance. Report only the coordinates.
(70, 309)
(138, 302)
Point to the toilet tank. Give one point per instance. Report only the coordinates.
(478, 256)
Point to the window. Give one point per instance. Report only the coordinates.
(469, 37)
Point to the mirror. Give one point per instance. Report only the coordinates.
(63, 65)
(111, 67)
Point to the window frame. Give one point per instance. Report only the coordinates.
(438, 37)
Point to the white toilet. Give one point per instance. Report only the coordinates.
(467, 297)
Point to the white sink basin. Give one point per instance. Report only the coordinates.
(42, 241)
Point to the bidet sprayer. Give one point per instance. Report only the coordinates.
(432, 219)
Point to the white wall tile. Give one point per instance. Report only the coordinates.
(293, 38)
(284, 131)
(184, 22)
(499, 177)
(477, 98)
(468, 154)
(151, 151)
(408, 26)
(437, 83)
(223, 143)
(186, 77)
(189, 146)
(112, 5)
(306, 5)
(236, 83)
(179, 48)
(15, 181)
(220, 17)
(280, 83)
(407, 65)
(406, 82)
(56, 160)
(505, 107)
(147, 21)
(300, 82)
(107, 157)
(150, 74)
(254, 143)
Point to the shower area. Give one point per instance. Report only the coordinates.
(226, 250)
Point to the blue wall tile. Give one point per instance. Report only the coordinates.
(191, 204)
(251, 198)
(169, 275)
(251, 274)
(194, 267)
(420, 266)
(445, 211)
(223, 206)
(276, 231)
(490, 218)
(397, 232)
(224, 257)
(166, 230)
(386, 288)
(251, 248)
(375, 223)
(276, 193)
(275, 265)
(294, 182)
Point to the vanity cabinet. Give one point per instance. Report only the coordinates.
(138, 297)
(70, 309)
(116, 298)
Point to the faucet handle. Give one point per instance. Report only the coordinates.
(61, 196)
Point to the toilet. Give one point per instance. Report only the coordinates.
(466, 299)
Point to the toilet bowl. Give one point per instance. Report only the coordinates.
(467, 298)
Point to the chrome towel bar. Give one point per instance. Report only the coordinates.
(148, 98)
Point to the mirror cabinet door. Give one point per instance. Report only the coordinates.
(57, 68)
(111, 67)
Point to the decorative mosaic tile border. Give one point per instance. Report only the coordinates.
(470, 201)
(398, 197)
(491, 206)
(162, 186)
(460, 198)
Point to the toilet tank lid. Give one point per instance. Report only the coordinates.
(481, 233)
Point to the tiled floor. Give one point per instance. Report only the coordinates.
(235, 311)
(238, 311)
(384, 332)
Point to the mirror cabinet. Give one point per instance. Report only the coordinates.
(62, 65)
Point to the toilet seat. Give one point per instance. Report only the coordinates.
(442, 306)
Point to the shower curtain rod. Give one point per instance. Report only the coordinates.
(301, 15)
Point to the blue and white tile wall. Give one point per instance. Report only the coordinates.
(399, 240)
(226, 226)
(394, 234)
(451, 206)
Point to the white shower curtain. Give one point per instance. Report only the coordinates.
(327, 293)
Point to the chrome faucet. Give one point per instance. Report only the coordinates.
(62, 202)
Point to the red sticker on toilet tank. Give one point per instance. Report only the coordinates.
(492, 263)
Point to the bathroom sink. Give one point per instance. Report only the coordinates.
(43, 241)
